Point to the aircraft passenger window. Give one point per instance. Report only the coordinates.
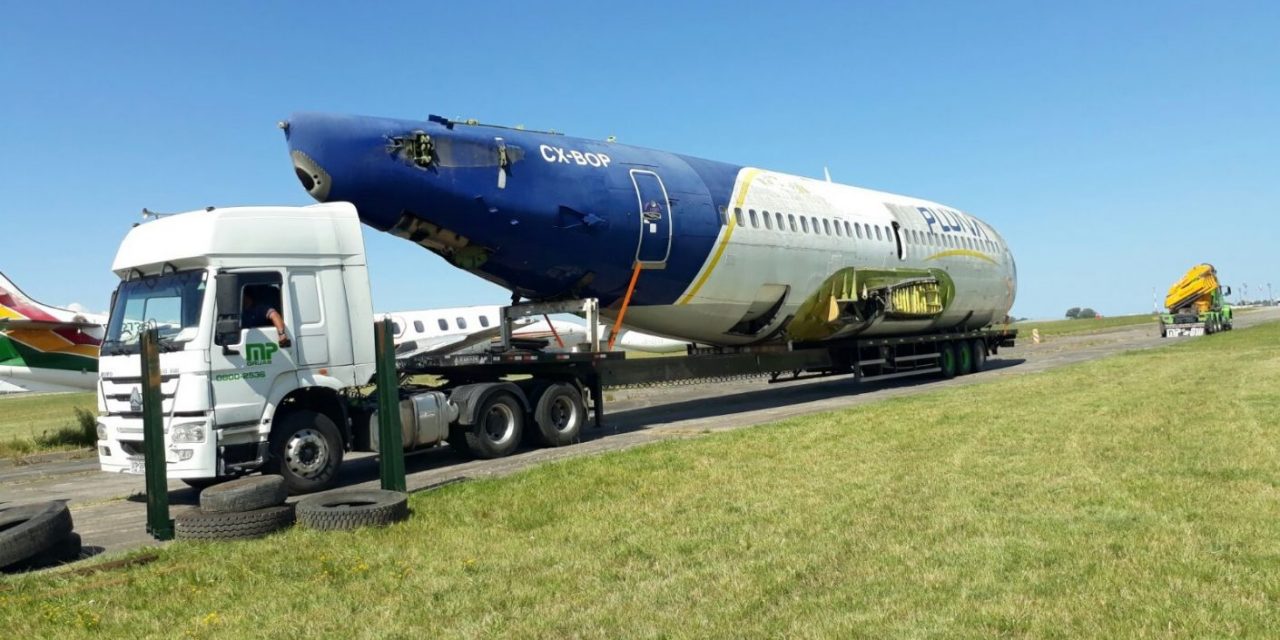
(396, 328)
(839, 229)
(781, 223)
(484, 321)
(847, 231)
(879, 236)
(755, 221)
(737, 213)
(462, 323)
(826, 226)
(444, 324)
(768, 220)
(804, 224)
(724, 216)
(866, 228)
(815, 225)
(417, 326)
(792, 220)
(858, 228)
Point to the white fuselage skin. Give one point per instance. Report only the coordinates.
(753, 261)
(435, 329)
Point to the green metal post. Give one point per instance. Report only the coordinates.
(159, 525)
(390, 438)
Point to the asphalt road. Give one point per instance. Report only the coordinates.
(110, 509)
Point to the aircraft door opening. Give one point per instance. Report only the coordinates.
(654, 245)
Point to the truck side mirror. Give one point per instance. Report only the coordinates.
(226, 329)
(1226, 291)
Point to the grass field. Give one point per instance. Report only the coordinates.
(30, 423)
(1050, 328)
(1133, 496)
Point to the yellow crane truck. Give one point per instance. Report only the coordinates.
(1196, 305)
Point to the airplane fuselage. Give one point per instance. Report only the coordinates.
(727, 254)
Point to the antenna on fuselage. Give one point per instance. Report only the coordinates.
(827, 172)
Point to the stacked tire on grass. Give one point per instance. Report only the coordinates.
(249, 507)
(36, 536)
(351, 509)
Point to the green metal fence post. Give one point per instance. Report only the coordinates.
(390, 438)
(159, 525)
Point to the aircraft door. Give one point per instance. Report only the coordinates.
(655, 219)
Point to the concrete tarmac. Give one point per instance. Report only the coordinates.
(109, 510)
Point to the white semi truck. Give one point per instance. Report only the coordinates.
(237, 397)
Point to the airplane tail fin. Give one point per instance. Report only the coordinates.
(16, 305)
(39, 336)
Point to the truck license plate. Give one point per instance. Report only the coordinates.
(138, 466)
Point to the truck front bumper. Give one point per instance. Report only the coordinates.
(122, 450)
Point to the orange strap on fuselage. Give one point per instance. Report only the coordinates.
(626, 300)
(553, 331)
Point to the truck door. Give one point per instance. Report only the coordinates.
(655, 219)
(242, 375)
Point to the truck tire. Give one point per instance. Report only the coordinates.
(200, 484)
(497, 428)
(560, 414)
(964, 358)
(947, 360)
(63, 551)
(244, 494)
(978, 357)
(342, 510)
(28, 530)
(306, 450)
(196, 524)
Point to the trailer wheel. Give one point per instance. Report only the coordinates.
(306, 449)
(947, 360)
(560, 414)
(497, 427)
(964, 358)
(32, 529)
(979, 358)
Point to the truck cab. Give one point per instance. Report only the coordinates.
(237, 395)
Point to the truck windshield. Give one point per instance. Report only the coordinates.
(169, 302)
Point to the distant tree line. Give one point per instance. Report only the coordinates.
(1076, 313)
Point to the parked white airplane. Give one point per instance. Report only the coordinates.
(463, 329)
(44, 348)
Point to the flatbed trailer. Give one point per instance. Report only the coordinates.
(867, 359)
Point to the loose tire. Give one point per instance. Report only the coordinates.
(244, 494)
(560, 414)
(196, 524)
(204, 483)
(306, 450)
(63, 551)
(341, 510)
(978, 357)
(497, 427)
(29, 530)
(947, 360)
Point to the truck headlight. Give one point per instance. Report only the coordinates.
(191, 432)
(102, 431)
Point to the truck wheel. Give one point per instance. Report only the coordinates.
(947, 360)
(496, 431)
(964, 359)
(195, 524)
(340, 510)
(560, 414)
(306, 450)
(245, 494)
(978, 349)
(32, 529)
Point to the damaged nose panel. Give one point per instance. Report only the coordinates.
(313, 178)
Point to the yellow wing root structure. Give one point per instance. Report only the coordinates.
(1194, 292)
(854, 296)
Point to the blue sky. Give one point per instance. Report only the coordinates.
(1113, 144)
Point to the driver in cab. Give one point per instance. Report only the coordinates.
(256, 310)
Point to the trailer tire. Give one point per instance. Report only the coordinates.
(947, 360)
(306, 450)
(342, 510)
(498, 425)
(29, 530)
(560, 414)
(964, 358)
(244, 494)
(197, 524)
(978, 349)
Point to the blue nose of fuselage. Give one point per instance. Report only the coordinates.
(485, 198)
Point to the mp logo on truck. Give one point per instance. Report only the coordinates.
(259, 353)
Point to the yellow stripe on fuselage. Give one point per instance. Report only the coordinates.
(951, 253)
(50, 342)
(6, 313)
(724, 242)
